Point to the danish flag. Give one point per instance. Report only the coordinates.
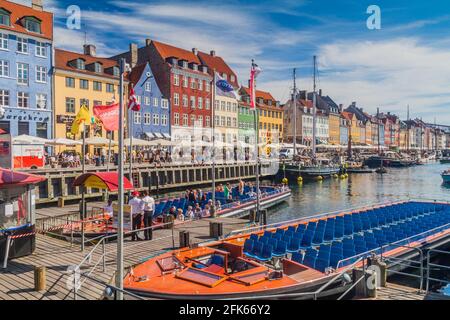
(132, 101)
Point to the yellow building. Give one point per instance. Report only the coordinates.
(334, 120)
(354, 131)
(83, 79)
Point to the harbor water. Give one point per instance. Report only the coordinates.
(312, 197)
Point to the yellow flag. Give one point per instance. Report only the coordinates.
(82, 116)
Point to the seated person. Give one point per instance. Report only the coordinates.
(180, 215)
(190, 213)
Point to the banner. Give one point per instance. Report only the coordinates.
(109, 116)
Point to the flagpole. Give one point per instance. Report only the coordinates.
(213, 208)
(83, 200)
(130, 136)
(255, 119)
(119, 271)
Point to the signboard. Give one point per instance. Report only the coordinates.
(5, 151)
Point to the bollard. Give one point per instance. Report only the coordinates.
(40, 278)
(60, 202)
(371, 283)
(383, 271)
(184, 239)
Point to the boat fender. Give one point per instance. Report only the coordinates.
(285, 181)
(299, 179)
(319, 178)
(342, 176)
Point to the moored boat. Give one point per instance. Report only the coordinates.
(292, 257)
(446, 176)
(445, 160)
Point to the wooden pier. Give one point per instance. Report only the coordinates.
(59, 185)
(17, 281)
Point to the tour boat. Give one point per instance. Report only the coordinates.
(240, 207)
(293, 257)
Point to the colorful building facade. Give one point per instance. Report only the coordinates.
(26, 55)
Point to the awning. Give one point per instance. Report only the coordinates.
(158, 135)
(102, 180)
(166, 135)
(10, 178)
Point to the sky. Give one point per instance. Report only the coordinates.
(405, 62)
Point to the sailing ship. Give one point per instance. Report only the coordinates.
(316, 167)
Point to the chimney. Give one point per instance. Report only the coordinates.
(37, 5)
(147, 42)
(354, 103)
(133, 54)
(341, 107)
(195, 51)
(320, 92)
(212, 53)
(90, 50)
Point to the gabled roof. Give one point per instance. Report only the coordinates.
(347, 115)
(167, 51)
(19, 11)
(136, 74)
(260, 94)
(63, 57)
(218, 64)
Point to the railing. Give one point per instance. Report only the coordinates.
(314, 294)
(429, 265)
(102, 258)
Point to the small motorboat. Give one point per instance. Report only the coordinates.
(445, 160)
(358, 167)
(446, 176)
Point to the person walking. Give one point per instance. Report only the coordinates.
(137, 207)
(149, 208)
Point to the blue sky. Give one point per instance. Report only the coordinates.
(406, 62)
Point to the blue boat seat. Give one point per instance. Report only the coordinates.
(281, 249)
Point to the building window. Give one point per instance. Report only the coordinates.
(193, 102)
(22, 45)
(185, 120)
(207, 121)
(148, 86)
(207, 86)
(155, 102)
(207, 104)
(176, 119)
(137, 117)
(41, 74)
(41, 50)
(228, 121)
(41, 101)
(109, 87)
(80, 64)
(41, 130)
(185, 81)
(98, 67)
(70, 105)
(22, 99)
(155, 119)
(84, 102)
(146, 118)
(164, 103)
(24, 128)
(222, 121)
(200, 120)
(234, 122)
(3, 41)
(97, 103)
(164, 119)
(185, 100)
(84, 84)
(229, 106)
(5, 17)
(200, 84)
(4, 98)
(33, 25)
(232, 78)
(176, 80)
(192, 120)
(4, 68)
(176, 99)
(147, 101)
(22, 73)
(216, 120)
(97, 86)
(222, 105)
(193, 83)
(70, 82)
(200, 102)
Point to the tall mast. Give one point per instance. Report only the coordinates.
(314, 112)
(378, 123)
(294, 104)
(213, 116)
(407, 131)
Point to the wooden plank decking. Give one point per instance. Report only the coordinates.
(399, 292)
(17, 281)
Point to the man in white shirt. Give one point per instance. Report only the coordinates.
(108, 210)
(136, 205)
(149, 208)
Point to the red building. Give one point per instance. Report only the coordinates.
(184, 80)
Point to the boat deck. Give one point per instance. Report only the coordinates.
(17, 281)
(399, 292)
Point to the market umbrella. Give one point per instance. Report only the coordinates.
(64, 142)
(26, 139)
(98, 141)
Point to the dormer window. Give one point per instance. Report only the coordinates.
(225, 76)
(98, 67)
(80, 65)
(5, 17)
(32, 24)
(194, 67)
(116, 71)
(232, 78)
(270, 102)
(204, 69)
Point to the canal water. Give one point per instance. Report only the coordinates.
(312, 197)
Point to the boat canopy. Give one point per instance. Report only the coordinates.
(10, 178)
(102, 180)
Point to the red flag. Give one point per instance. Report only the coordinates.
(108, 115)
(254, 72)
(132, 101)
